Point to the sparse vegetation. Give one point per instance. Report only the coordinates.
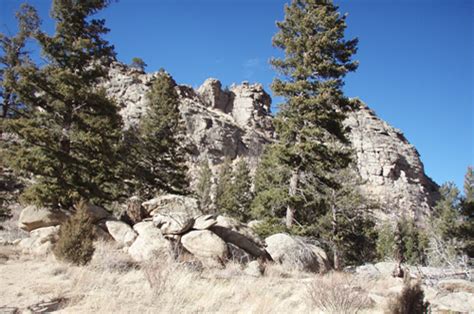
(410, 301)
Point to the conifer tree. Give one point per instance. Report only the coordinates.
(70, 136)
(466, 228)
(138, 63)
(14, 56)
(446, 211)
(158, 157)
(233, 192)
(203, 187)
(312, 144)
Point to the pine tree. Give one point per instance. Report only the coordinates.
(225, 199)
(309, 126)
(14, 56)
(138, 63)
(158, 158)
(466, 228)
(203, 187)
(446, 211)
(70, 132)
(233, 192)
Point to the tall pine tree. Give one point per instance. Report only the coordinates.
(158, 159)
(70, 132)
(312, 144)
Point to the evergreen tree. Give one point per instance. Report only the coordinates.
(309, 126)
(466, 228)
(158, 158)
(203, 187)
(14, 56)
(446, 211)
(225, 199)
(70, 131)
(233, 193)
(138, 63)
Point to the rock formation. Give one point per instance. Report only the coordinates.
(236, 122)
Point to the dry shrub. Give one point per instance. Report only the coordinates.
(338, 293)
(410, 301)
(110, 257)
(158, 272)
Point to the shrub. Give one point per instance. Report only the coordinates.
(410, 301)
(338, 293)
(75, 244)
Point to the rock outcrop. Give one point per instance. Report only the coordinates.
(236, 122)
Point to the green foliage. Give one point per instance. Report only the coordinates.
(410, 301)
(69, 131)
(76, 236)
(157, 158)
(269, 226)
(404, 242)
(466, 227)
(445, 218)
(13, 57)
(233, 192)
(138, 63)
(203, 187)
(311, 142)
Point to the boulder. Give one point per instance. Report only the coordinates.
(173, 224)
(237, 226)
(293, 253)
(149, 244)
(204, 222)
(96, 212)
(456, 285)
(462, 302)
(254, 269)
(32, 217)
(206, 246)
(173, 205)
(121, 232)
(134, 212)
(41, 240)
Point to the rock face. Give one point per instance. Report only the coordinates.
(236, 122)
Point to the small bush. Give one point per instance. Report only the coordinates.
(76, 236)
(338, 293)
(410, 301)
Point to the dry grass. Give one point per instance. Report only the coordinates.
(338, 293)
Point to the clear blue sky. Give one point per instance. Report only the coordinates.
(416, 58)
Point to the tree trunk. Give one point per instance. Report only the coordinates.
(290, 209)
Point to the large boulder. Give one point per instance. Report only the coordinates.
(176, 205)
(32, 217)
(295, 254)
(149, 244)
(134, 212)
(173, 224)
(121, 232)
(206, 246)
(96, 213)
(456, 285)
(458, 302)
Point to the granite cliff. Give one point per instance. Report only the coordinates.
(236, 122)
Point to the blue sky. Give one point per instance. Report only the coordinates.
(416, 58)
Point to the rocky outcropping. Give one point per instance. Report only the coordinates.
(389, 165)
(236, 122)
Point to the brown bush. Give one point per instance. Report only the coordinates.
(76, 236)
(410, 301)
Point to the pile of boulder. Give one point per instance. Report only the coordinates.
(173, 224)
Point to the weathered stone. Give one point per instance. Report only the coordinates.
(134, 212)
(121, 232)
(173, 224)
(32, 217)
(206, 246)
(462, 302)
(456, 285)
(293, 253)
(149, 244)
(41, 241)
(176, 205)
(254, 269)
(204, 222)
(96, 212)
(235, 225)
